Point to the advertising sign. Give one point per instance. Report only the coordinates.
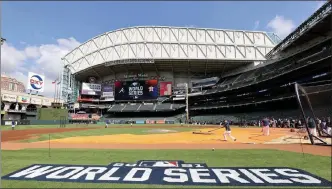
(170, 172)
(46, 102)
(23, 99)
(36, 82)
(107, 91)
(165, 89)
(37, 101)
(9, 98)
(136, 90)
(91, 89)
(107, 99)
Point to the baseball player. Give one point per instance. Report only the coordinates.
(106, 123)
(312, 126)
(266, 126)
(228, 131)
(13, 125)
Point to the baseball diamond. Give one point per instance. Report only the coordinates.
(177, 107)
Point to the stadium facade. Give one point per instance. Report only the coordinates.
(144, 69)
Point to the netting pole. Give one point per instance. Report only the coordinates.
(303, 114)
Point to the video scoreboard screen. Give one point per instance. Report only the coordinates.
(136, 90)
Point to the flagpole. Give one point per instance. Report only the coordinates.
(54, 91)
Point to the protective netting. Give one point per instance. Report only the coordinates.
(315, 103)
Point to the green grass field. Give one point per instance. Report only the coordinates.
(23, 127)
(14, 160)
(102, 131)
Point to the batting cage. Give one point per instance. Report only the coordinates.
(315, 104)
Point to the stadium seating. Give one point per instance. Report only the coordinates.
(270, 71)
(147, 107)
(163, 107)
(117, 107)
(131, 107)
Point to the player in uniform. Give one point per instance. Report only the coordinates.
(13, 125)
(106, 123)
(266, 126)
(228, 131)
(312, 126)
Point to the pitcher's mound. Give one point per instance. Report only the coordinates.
(161, 131)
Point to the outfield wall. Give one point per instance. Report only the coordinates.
(51, 114)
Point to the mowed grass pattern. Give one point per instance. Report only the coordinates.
(14, 160)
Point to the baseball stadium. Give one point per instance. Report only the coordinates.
(169, 107)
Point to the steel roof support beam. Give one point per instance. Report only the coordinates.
(155, 66)
(167, 43)
(141, 68)
(320, 14)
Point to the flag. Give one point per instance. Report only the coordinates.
(54, 82)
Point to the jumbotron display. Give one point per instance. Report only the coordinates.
(136, 90)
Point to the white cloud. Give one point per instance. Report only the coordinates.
(44, 59)
(281, 26)
(256, 25)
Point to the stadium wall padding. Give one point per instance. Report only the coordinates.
(140, 122)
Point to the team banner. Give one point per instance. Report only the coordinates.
(9, 98)
(136, 90)
(165, 89)
(91, 89)
(36, 82)
(170, 172)
(23, 99)
(107, 91)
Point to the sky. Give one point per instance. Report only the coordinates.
(38, 34)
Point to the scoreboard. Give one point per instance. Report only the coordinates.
(136, 90)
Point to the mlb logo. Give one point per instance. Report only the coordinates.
(159, 163)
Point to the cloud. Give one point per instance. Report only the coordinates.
(43, 59)
(281, 26)
(256, 25)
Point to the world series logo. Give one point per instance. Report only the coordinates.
(169, 172)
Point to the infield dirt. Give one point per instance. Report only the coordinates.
(247, 138)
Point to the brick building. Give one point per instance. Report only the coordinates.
(11, 84)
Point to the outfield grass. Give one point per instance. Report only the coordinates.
(22, 127)
(14, 160)
(102, 131)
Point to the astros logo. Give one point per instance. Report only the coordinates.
(36, 82)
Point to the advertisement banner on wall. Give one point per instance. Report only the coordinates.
(9, 98)
(36, 82)
(46, 102)
(23, 99)
(160, 121)
(36, 101)
(107, 91)
(165, 88)
(91, 89)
